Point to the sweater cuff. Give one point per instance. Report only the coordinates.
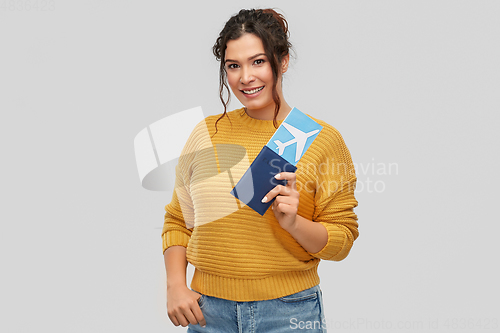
(338, 245)
(174, 237)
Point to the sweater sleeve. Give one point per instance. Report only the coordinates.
(179, 213)
(179, 216)
(334, 197)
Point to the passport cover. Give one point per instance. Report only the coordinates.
(259, 179)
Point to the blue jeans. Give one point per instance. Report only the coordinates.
(299, 312)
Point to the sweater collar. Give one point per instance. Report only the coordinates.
(256, 124)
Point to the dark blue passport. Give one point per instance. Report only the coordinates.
(259, 179)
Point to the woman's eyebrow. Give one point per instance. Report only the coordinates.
(252, 57)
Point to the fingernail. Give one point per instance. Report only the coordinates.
(278, 176)
(204, 326)
(264, 199)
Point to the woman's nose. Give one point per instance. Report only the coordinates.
(246, 76)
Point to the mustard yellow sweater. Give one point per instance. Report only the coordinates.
(237, 254)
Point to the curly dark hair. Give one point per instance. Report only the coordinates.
(272, 28)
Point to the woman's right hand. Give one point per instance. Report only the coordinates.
(183, 308)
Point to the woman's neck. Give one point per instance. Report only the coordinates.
(268, 114)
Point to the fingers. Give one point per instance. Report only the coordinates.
(286, 204)
(200, 319)
(178, 319)
(188, 316)
(289, 189)
(187, 313)
(291, 179)
(279, 189)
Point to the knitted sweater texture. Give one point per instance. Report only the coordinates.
(237, 254)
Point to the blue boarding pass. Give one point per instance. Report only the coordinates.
(294, 136)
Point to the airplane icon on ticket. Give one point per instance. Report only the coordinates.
(297, 128)
(300, 138)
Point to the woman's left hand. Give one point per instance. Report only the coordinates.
(286, 205)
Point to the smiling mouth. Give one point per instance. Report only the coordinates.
(253, 91)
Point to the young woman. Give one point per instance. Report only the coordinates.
(255, 273)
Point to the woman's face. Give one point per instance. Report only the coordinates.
(250, 76)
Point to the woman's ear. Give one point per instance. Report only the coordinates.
(284, 63)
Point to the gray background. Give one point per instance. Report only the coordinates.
(411, 85)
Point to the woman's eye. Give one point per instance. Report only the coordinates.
(259, 61)
(231, 66)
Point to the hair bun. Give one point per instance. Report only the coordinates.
(280, 18)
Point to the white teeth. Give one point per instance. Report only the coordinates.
(248, 92)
